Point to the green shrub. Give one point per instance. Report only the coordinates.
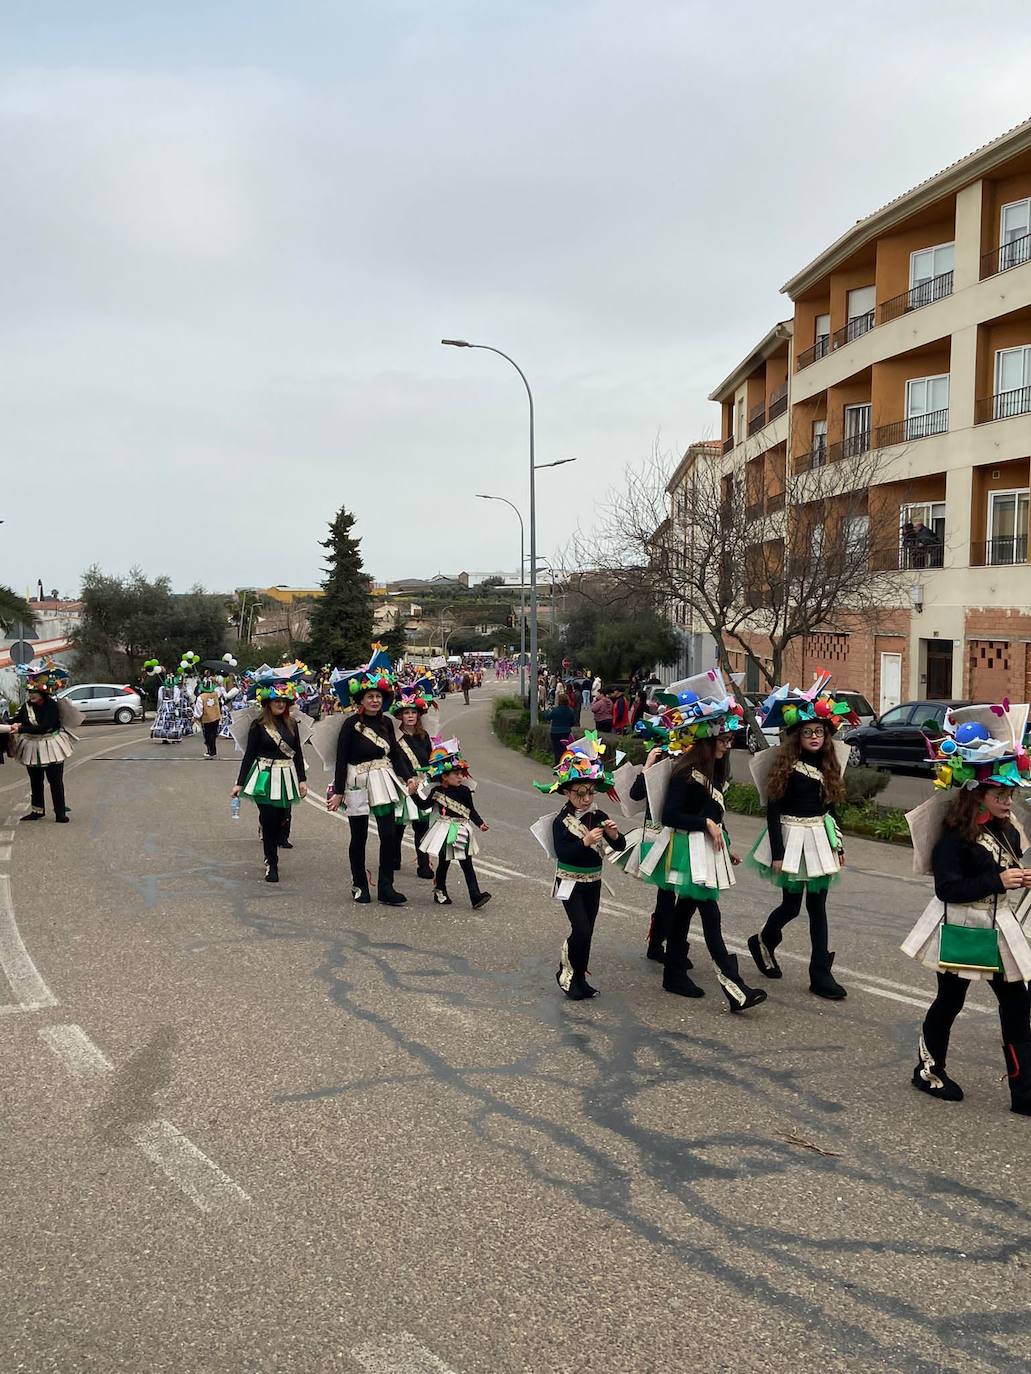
(863, 784)
(743, 798)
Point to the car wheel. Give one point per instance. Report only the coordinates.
(855, 757)
(124, 715)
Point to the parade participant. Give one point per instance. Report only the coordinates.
(42, 737)
(415, 743)
(168, 726)
(448, 787)
(801, 850)
(973, 926)
(577, 839)
(272, 773)
(370, 774)
(692, 856)
(208, 710)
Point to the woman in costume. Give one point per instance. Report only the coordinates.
(272, 772)
(41, 741)
(167, 725)
(371, 776)
(448, 787)
(415, 743)
(801, 850)
(692, 856)
(972, 927)
(578, 838)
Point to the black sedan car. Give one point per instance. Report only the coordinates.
(898, 738)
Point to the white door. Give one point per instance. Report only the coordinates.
(925, 267)
(1007, 526)
(927, 406)
(821, 334)
(1014, 231)
(857, 430)
(861, 303)
(1012, 381)
(891, 681)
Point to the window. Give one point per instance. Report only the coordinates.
(898, 715)
(1007, 527)
(78, 694)
(821, 334)
(926, 266)
(860, 311)
(818, 447)
(857, 430)
(921, 534)
(1012, 382)
(927, 406)
(1015, 234)
(819, 534)
(740, 430)
(855, 532)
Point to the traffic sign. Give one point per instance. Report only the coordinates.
(22, 651)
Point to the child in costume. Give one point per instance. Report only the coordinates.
(973, 927)
(167, 725)
(42, 739)
(692, 855)
(577, 838)
(801, 850)
(410, 708)
(272, 773)
(449, 788)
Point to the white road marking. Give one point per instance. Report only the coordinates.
(5, 853)
(206, 1185)
(6, 836)
(400, 1354)
(29, 989)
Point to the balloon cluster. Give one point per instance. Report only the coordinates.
(229, 661)
(153, 667)
(189, 661)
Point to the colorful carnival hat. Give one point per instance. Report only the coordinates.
(376, 676)
(414, 696)
(581, 762)
(43, 675)
(445, 757)
(786, 707)
(277, 684)
(983, 745)
(698, 707)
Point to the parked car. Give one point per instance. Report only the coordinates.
(856, 701)
(898, 738)
(105, 701)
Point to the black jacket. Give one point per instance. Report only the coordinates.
(965, 872)
(48, 718)
(802, 797)
(260, 746)
(461, 794)
(353, 747)
(570, 849)
(420, 745)
(689, 804)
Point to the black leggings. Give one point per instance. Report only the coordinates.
(55, 777)
(209, 729)
(582, 910)
(712, 929)
(1014, 1012)
(275, 826)
(420, 829)
(790, 906)
(471, 880)
(387, 848)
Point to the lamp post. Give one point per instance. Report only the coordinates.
(482, 496)
(488, 348)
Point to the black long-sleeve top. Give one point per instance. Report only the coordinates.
(803, 796)
(261, 746)
(689, 804)
(967, 872)
(570, 849)
(48, 718)
(440, 796)
(421, 746)
(353, 747)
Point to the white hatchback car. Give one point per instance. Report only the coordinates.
(104, 701)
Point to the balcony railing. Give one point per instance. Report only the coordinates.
(913, 554)
(728, 443)
(1009, 255)
(851, 447)
(774, 502)
(819, 350)
(1011, 548)
(916, 427)
(861, 324)
(778, 402)
(753, 510)
(1004, 404)
(935, 289)
(815, 458)
(756, 418)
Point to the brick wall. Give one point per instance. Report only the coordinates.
(998, 654)
(853, 657)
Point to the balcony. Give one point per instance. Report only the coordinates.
(819, 350)
(756, 418)
(917, 556)
(774, 502)
(1009, 255)
(935, 289)
(728, 443)
(853, 446)
(778, 402)
(1004, 404)
(753, 510)
(1000, 552)
(861, 324)
(916, 427)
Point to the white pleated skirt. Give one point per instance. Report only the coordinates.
(450, 839)
(1014, 951)
(808, 849)
(37, 751)
(372, 786)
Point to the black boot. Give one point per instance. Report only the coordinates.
(63, 818)
(34, 816)
(737, 992)
(387, 895)
(440, 896)
(271, 872)
(656, 939)
(423, 868)
(1018, 1065)
(761, 950)
(821, 981)
(930, 1077)
(360, 891)
(677, 981)
(579, 989)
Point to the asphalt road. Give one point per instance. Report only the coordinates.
(260, 1128)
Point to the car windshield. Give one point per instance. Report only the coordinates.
(857, 703)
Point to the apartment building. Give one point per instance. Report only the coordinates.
(697, 652)
(910, 340)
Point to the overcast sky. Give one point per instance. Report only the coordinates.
(233, 234)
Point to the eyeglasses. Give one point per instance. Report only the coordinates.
(581, 791)
(813, 732)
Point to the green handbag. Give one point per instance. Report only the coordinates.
(974, 948)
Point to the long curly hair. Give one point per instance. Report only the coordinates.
(789, 753)
(962, 812)
(702, 756)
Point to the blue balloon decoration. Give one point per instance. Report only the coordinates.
(970, 732)
(948, 746)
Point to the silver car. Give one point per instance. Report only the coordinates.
(104, 701)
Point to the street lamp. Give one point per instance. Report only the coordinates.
(482, 496)
(487, 348)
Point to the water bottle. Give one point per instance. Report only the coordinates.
(234, 809)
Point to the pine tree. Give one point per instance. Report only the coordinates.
(341, 621)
